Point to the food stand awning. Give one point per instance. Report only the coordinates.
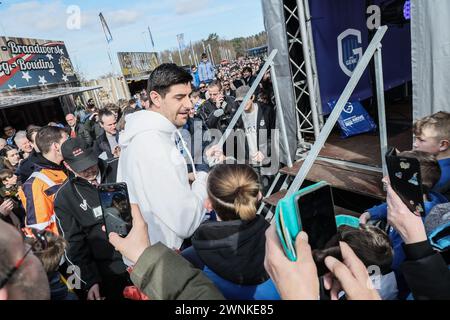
(27, 97)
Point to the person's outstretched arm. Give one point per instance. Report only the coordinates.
(163, 274)
(159, 272)
(424, 270)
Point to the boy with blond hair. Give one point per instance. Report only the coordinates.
(432, 135)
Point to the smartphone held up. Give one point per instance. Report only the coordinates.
(116, 208)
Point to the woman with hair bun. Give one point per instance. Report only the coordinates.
(231, 251)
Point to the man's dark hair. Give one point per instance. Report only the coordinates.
(247, 69)
(105, 113)
(144, 97)
(32, 131)
(51, 255)
(90, 104)
(370, 244)
(47, 136)
(204, 55)
(112, 107)
(216, 83)
(195, 94)
(166, 76)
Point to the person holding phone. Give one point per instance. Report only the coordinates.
(299, 280)
(158, 271)
(426, 271)
(79, 218)
(219, 109)
(430, 172)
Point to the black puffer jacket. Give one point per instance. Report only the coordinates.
(222, 118)
(79, 219)
(426, 272)
(234, 250)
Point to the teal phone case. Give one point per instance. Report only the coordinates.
(292, 220)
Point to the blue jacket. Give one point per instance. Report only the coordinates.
(231, 254)
(380, 213)
(443, 185)
(205, 72)
(196, 81)
(232, 291)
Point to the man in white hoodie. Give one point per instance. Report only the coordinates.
(153, 167)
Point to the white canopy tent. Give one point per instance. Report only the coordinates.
(430, 56)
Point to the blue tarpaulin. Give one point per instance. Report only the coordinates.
(354, 119)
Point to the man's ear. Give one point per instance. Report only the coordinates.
(155, 98)
(208, 205)
(445, 144)
(3, 294)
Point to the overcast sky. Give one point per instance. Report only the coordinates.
(128, 20)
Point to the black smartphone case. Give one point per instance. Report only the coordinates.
(406, 180)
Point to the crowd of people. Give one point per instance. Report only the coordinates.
(196, 233)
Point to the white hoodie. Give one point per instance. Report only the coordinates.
(157, 179)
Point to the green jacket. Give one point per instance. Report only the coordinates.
(162, 274)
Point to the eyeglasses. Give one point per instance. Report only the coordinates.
(36, 241)
(13, 270)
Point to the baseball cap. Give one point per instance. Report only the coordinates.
(77, 156)
(241, 92)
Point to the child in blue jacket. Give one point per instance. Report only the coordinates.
(431, 174)
(432, 135)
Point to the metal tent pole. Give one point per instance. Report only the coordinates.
(280, 114)
(308, 66)
(381, 106)
(314, 63)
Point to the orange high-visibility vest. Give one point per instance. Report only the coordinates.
(38, 195)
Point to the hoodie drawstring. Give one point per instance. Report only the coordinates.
(188, 153)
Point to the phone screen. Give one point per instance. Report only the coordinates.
(116, 208)
(316, 210)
